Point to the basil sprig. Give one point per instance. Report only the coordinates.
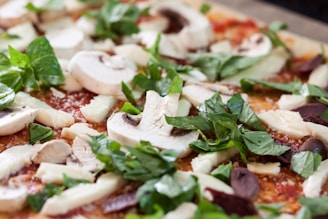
(217, 66)
(271, 33)
(40, 133)
(305, 163)
(38, 66)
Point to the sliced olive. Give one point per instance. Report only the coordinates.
(315, 145)
(244, 183)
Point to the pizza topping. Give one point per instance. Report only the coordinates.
(133, 52)
(230, 202)
(54, 151)
(307, 67)
(319, 76)
(15, 119)
(12, 199)
(244, 183)
(264, 168)
(256, 45)
(315, 145)
(111, 71)
(78, 129)
(305, 163)
(194, 30)
(152, 126)
(183, 211)
(120, 202)
(291, 101)
(312, 112)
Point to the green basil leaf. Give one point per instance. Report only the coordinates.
(303, 213)
(189, 122)
(37, 200)
(29, 79)
(44, 62)
(324, 115)
(305, 163)
(159, 214)
(8, 36)
(40, 133)
(165, 192)
(275, 40)
(261, 143)
(69, 182)
(276, 26)
(144, 82)
(290, 87)
(130, 109)
(7, 96)
(205, 8)
(310, 90)
(128, 93)
(4, 62)
(273, 208)
(317, 206)
(209, 146)
(18, 59)
(176, 85)
(12, 79)
(237, 105)
(223, 172)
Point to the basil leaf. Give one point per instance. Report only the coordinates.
(209, 145)
(8, 36)
(159, 214)
(128, 93)
(39, 133)
(324, 115)
(144, 82)
(305, 163)
(176, 85)
(310, 90)
(205, 8)
(275, 40)
(189, 122)
(4, 62)
(12, 79)
(290, 87)
(276, 26)
(69, 182)
(223, 172)
(7, 96)
(273, 208)
(317, 206)
(237, 105)
(261, 143)
(304, 213)
(44, 62)
(165, 192)
(130, 109)
(29, 79)
(37, 200)
(17, 58)
(131, 165)
(50, 5)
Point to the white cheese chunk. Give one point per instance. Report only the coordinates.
(70, 83)
(284, 121)
(313, 184)
(82, 194)
(78, 129)
(14, 158)
(264, 168)
(318, 131)
(12, 199)
(319, 76)
(46, 115)
(196, 94)
(184, 107)
(184, 211)
(54, 173)
(221, 46)
(204, 163)
(291, 101)
(98, 108)
(133, 52)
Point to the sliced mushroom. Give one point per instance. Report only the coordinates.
(192, 28)
(13, 12)
(101, 73)
(26, 33)
(152, 126)
(15, 119)
(54, 151)
(157, 23)
(12, 199)
(82, 155)
(66, 42)
(256, 45)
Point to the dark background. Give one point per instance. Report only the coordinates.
(316, 9)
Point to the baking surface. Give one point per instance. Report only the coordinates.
(266, 12)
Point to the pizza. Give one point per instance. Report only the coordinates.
(158, 109)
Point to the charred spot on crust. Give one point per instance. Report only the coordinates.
(129, 120)
(176, 21)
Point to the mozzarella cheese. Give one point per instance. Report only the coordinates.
(82, 194)
(264, 168)
(12, 199)
(319, 76)
(291, 101)
(78, 129)
(97, 110)
(184, 211)
(313, 184)
(133, 52)
(53, 173)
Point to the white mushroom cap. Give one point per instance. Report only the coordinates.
(15, 119)
(54, 151)
(151, 125)
(12, 199)
(256, 45)
(101, 73)
(197, 32)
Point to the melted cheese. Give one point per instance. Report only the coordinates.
(312, 185)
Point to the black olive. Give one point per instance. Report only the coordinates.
(244, 183)
(315, 145)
